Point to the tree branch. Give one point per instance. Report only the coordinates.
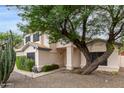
(84, 28)
(117, 33)
(118, 37)
(72, 26)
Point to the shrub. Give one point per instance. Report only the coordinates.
(114, 73)
(47, 68)
(55, 66)
(24, 63)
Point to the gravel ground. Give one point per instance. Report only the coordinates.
(64, 79)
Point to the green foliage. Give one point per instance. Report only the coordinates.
(16, 38)
(95, 21)
(7, 59)
(47, 68)
(50, 19)
(114, 73)
(24, 63)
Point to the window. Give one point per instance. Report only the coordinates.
(27, 39)
(94, 55)
(36, 37)
(31, 55)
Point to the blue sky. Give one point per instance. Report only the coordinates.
(9, 19)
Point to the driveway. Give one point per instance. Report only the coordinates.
(64, 79)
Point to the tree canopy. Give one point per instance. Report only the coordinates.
(97, 20)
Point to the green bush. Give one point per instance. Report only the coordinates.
(47, 68)
(24, 63)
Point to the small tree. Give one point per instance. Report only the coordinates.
(77, 24)
(7, 59)
(17, 38)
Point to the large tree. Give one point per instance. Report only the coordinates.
(77, 24)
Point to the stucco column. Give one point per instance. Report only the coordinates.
(69, 60)
(37, 65)
(36, 58)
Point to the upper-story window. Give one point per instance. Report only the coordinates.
(36, 37)
(27, 39)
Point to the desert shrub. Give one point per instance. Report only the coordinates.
(55, 66)
(114, 73)
(24, 63)
(47, 68)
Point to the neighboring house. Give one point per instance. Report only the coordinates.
(37, 47)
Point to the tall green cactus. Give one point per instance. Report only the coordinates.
(7, 59)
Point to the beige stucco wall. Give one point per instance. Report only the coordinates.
(20, 53)
(43, 39)
(113, 60)
(47, 57)
(121, 60)
(27, 50)
(76, 58)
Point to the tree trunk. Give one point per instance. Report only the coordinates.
(94, 65)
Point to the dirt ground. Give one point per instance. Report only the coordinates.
(64, 79)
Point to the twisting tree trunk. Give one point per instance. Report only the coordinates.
(96, 63)
(91, 66)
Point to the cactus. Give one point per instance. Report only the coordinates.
(7, 59)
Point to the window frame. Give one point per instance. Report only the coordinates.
(27, 39)
(30, 54)
(93, 55)
(36, 37)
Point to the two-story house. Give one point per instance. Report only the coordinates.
(37, 47)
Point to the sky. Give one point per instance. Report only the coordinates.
(9, 19)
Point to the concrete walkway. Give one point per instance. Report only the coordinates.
(35, 75)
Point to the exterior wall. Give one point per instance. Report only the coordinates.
(47, 57)
(121, 60)
(76, 58)
(60, 45)
(113, 60)
(20, 54)
(53, 47)
(46, 41)
(43, 39)
(28, 50)
(31, 39)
